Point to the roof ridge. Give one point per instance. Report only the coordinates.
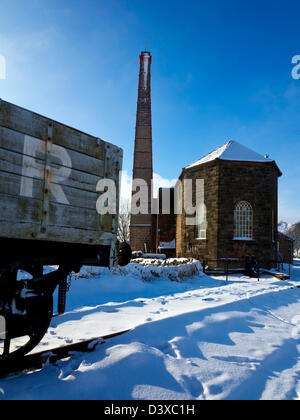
(213, 151)
(227, 144)
(232, 150)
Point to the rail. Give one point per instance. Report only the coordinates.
(37, 361)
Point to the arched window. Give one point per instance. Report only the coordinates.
(201, 225)
(243, 221)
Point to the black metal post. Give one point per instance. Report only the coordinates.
(203, 266)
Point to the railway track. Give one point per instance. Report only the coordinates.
(37, 361)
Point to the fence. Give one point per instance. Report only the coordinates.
(250, 267)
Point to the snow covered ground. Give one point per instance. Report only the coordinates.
(200, 338)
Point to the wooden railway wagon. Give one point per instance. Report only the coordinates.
(49, 175)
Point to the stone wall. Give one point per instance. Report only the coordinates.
(187, 244)
(255, 183)
(227, 183)
(285, 248)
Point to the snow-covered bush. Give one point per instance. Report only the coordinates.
(89, 272)
(174, 269)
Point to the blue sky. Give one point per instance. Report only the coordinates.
(221, 70)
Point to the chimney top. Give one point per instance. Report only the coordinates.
(146, 53)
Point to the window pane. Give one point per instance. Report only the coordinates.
(243, 221)
(200, 232)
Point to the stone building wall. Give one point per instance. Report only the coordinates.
(187, 244)
(255, 183)
(285, 248)
(227, 183)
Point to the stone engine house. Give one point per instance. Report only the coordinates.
(240, 212)
(239, 217)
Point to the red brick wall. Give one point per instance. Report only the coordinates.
(140, 235)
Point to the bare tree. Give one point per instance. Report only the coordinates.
(294, 233)
(124, 223)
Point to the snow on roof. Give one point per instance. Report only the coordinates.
(232, 150)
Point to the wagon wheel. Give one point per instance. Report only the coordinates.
(37, 331)
(38, 312)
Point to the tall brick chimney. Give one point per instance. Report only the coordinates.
(141, 233)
